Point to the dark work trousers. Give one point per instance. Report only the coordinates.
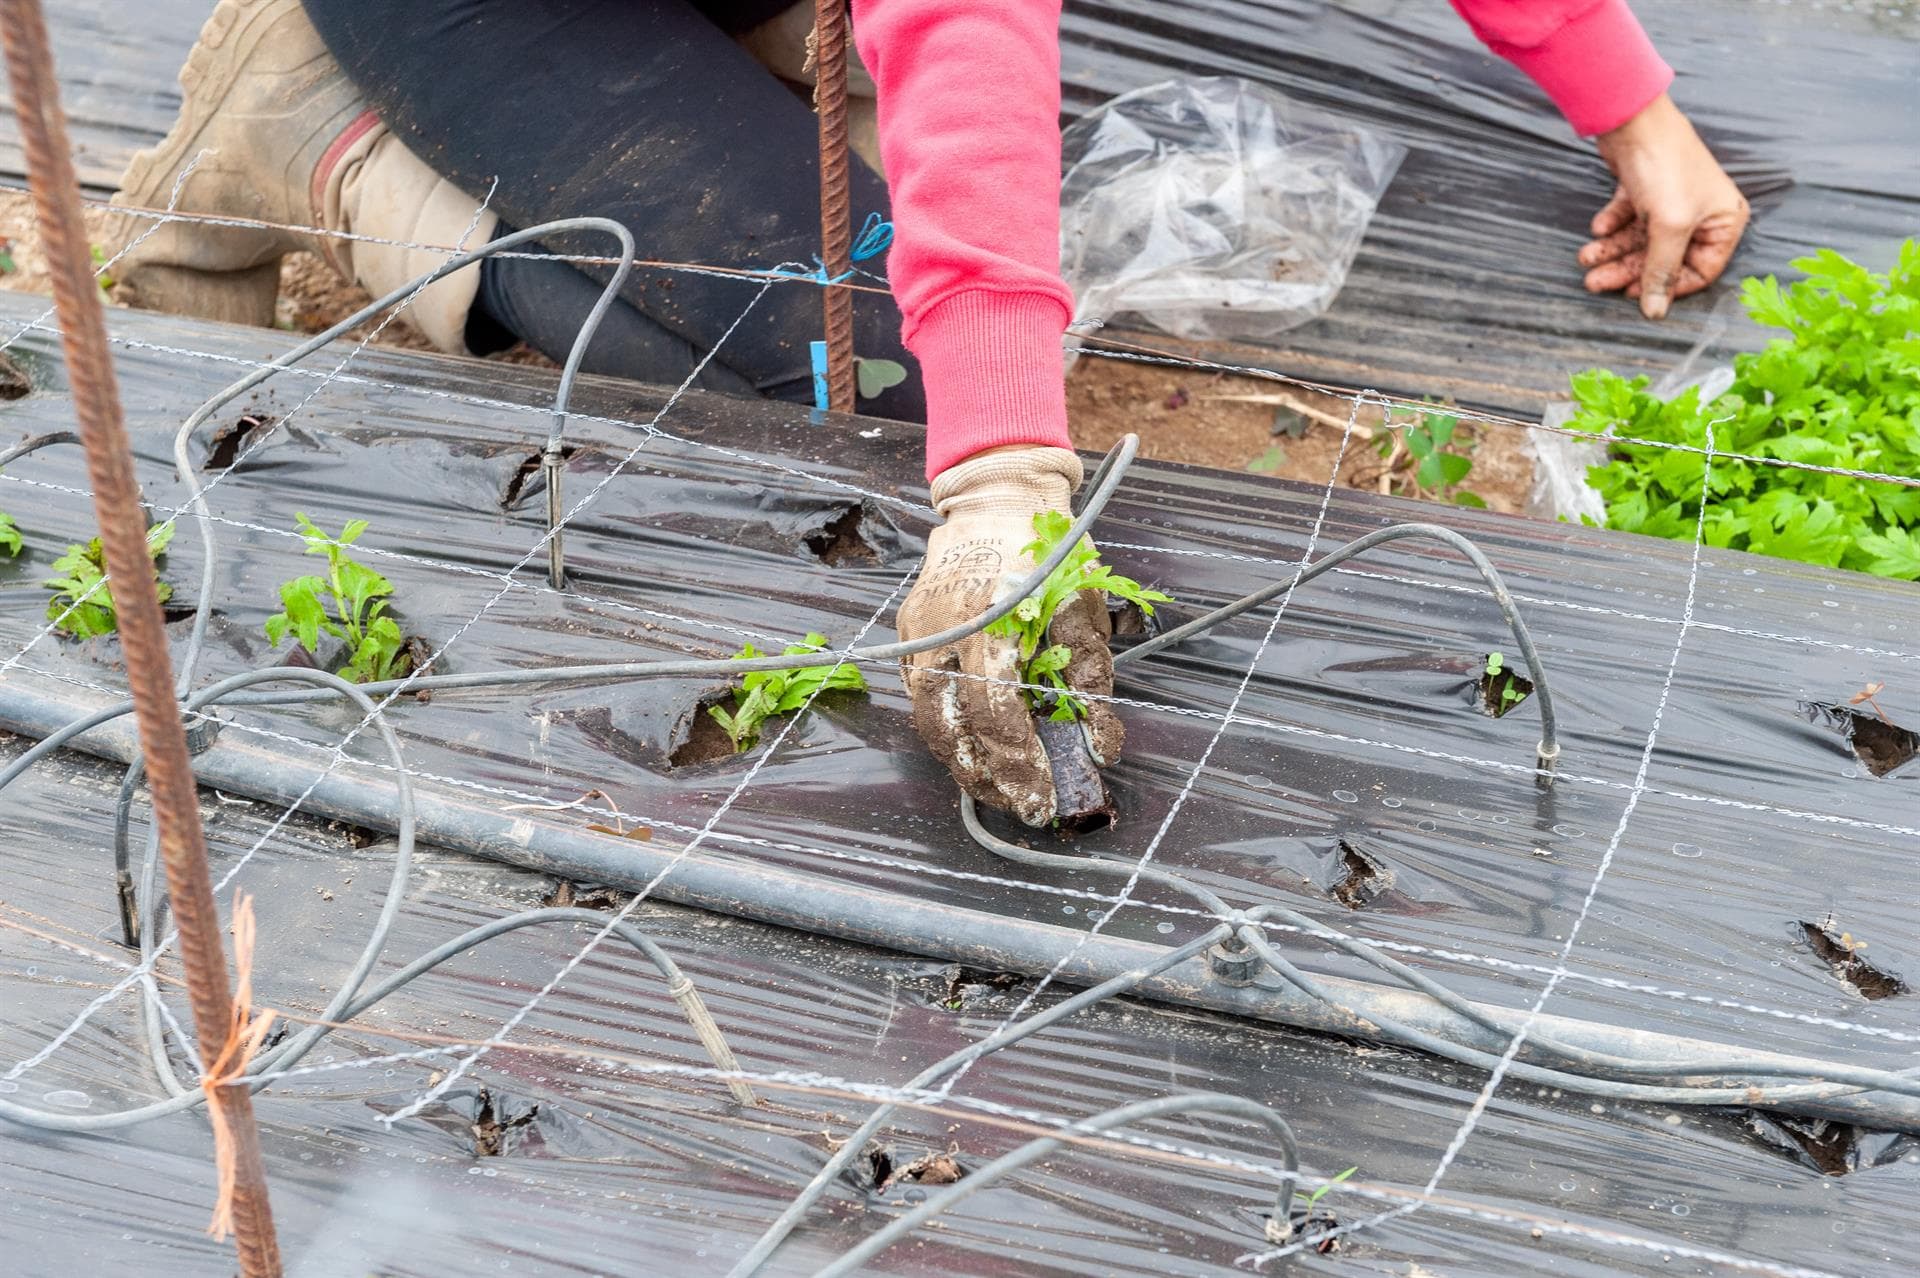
(644, 111)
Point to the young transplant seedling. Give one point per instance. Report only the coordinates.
(1041, 662)
(77, 607)
(766, 693)
(1502, 683)
(10, 540)
(349, 603)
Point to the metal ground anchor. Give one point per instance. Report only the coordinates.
(552, 467)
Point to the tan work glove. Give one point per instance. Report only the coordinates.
(983, 731)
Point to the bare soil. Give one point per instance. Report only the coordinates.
(1198, 417)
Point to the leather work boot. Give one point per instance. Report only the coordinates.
(287, 140)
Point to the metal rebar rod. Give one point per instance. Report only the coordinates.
(123, 534)
(836, 222)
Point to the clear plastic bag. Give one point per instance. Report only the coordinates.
(1215, 208)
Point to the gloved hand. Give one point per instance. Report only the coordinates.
(982, 727)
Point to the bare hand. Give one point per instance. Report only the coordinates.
(1673, 224)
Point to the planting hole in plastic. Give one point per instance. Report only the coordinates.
(1361, 877)
(1881, 745)
(1504, 691)
(698, 737)
(233, 440)
(841, 542)
(1841, 953)
(527, 480)
(14, 382)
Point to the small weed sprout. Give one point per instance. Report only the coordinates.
(77, 607)
(766, 693)
(1316, 1195)
(349, 603)
(1041, 662)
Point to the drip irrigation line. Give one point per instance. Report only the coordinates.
(1549, 751)
(350, 999)
(1005, 1036)
(1841, 1080)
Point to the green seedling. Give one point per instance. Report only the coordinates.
(1042, 662)
(1439, 464)
(100, 260)
(10, 539)
(1841, 390)
(349, 603)
(82, 605)
(1510, 695)
(7, 265)
(1316, 1195)
(766, 693)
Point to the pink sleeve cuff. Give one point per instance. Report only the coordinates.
(1598, 66)
(994, 371)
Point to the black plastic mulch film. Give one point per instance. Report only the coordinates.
(1705, 897)
(1462, 288)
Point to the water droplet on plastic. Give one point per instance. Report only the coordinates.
(1566, 831)
(1346, 796)
(1681, 1209)
(473, 1171)
(916, 1195)
(1468, 813)
(1568, 1186)
(1428, 826)
(1163, 928)
(68, 1099)
(1391, 802)
(1257, 781)
(8, 1086)
(1688, 850)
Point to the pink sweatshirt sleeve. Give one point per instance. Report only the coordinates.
(969, 102)
(1590, 56)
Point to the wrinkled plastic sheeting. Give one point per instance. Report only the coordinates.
(1362, 726)
(118, 67)
(1466, 285)
(606, 1170)
(1360, 735)
(1214, 208)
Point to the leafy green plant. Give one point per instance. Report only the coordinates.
(10, 539)
(1042, 662)
(1439, 464)
(82, 605)
(1322, 1191)
(765, 693)
(1841, 389)
(7, 265)
(349, 603)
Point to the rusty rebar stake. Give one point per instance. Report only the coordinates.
(836, 221)
(123, 533)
